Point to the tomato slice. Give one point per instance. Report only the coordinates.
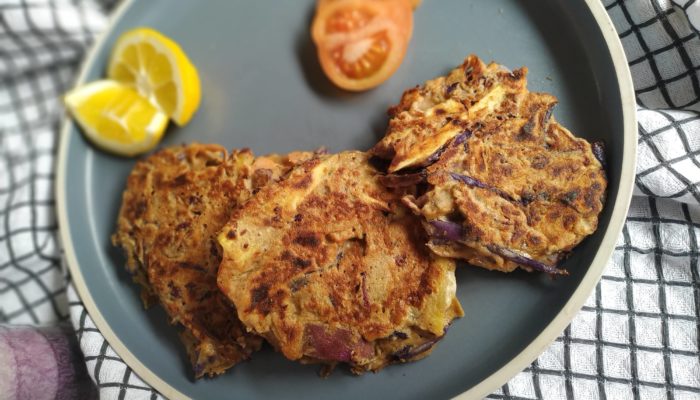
(361, 43)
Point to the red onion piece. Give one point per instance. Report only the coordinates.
(459, 139)
(526, 261)
(407, 353)
(446, 230)
(434, 157)
(462, 137)
(468, 180)
(335, 345)
(599, 152)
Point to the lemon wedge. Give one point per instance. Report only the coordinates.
(116, 118)
(159, 70)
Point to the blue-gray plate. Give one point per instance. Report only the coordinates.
(263, 88)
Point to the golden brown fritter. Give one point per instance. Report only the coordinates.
(430, 116)
(507, 186)
(174, 204)
(330, 267)
(513, 196)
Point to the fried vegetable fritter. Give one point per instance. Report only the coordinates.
(507, 186)
(507, 198)
(175, 203)
(330, 267)
(430, 116)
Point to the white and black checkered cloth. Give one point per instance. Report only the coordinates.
(637, 335)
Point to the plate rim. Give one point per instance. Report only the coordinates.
(498, 377)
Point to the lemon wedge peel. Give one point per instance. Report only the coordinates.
(116, 118)
(155, 55)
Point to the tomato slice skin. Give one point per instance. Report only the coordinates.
(361, 43)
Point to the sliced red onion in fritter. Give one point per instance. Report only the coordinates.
(446, 230)
(468, 180)
(599, 152)
(450, 88)
(526, 261)
(434, 157)
(336, 345)
(459, 139)
(462, 137)
(400, 335)
(402, 180)
(408, 353)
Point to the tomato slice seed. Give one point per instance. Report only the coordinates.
(347, 20)
(364, 57)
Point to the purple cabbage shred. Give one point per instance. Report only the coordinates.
(526, 261)
(446, 230)
(468, 180)
(599, 152)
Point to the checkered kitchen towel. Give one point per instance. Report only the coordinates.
(636, 337)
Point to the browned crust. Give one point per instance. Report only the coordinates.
(545, 192)
(429, 116)
(327, 266)
(174, 204)
(540, 188)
